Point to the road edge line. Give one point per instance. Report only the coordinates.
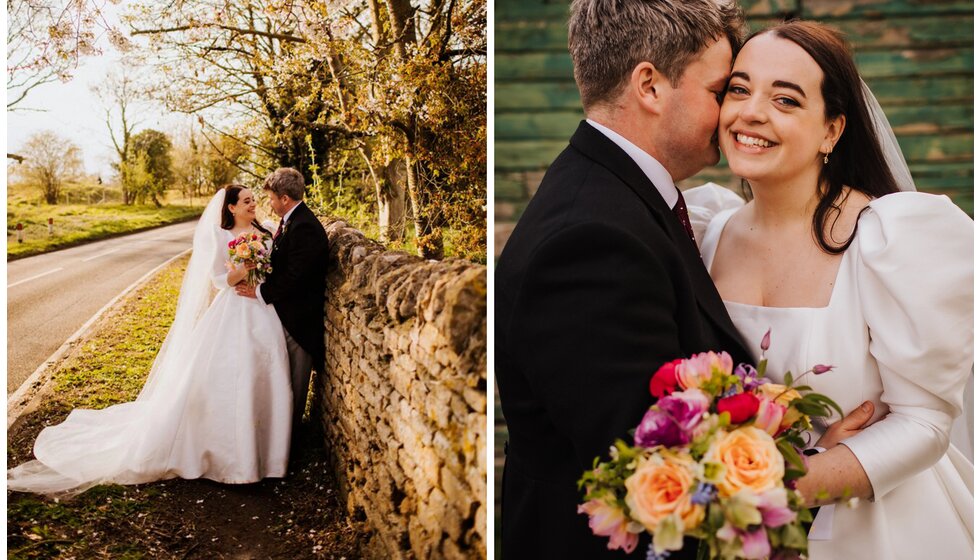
(32, 389)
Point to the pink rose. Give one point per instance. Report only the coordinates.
(664, 381)
(741, 407)
(658, 488)
(609, 521)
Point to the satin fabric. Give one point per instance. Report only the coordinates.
(218, 406)
(899, 331)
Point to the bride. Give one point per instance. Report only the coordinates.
(217, 401)
(846, 270)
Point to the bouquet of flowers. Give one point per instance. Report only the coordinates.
(249, 248)
(715, 459)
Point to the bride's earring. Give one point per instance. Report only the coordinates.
(826, 156)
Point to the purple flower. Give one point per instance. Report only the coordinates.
(658, 428)
(774, 507)
(704, 494)
(672, 421)
(820, 369)
(652, 554)
(749, 376)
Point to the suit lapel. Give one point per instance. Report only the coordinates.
(604, 151)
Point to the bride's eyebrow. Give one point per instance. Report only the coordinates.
(776, 83)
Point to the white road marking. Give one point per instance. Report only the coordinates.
(35, 277)
(103, 254)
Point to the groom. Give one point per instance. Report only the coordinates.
(601, 281)
(297, 282)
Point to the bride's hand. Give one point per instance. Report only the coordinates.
(847, 426)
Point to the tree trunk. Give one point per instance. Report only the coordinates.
(427, 237)
(391, 203)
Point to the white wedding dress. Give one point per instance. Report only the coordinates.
(899, 331)
(217, 403)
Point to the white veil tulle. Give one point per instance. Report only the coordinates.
(129, 443)
(195, 295)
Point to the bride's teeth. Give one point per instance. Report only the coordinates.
(753, 141)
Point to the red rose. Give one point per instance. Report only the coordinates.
(741, 407)
(664, 381)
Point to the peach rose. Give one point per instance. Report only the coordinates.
(660, 487)
(751, 460)
(243, 250)
(781, 395)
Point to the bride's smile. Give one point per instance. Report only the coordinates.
(772, 121)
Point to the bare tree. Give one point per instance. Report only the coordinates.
(50, 161)
(120, 98)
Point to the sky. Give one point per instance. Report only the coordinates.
(72, 110)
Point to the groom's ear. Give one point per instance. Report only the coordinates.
(648, 87)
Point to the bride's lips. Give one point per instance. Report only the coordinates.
(751, 142)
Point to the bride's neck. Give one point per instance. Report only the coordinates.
(241, 224)
(776, 206)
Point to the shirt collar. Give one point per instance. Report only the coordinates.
(290, 213)
(652, 168)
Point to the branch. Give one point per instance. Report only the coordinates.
(280, 36)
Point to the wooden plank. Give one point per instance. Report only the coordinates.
(558, 95)
(542, 126)
(930, 119)
(518, 10)
(825, 9)
(508, 186)
(915, 62)
(531, 35)
(948, 147)
(906, 32)
(527, 154)
(533, 66)
(940, 89)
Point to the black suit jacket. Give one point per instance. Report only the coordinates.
(298, 280)
(596, 288)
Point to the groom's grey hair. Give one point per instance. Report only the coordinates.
(608, 38)
(286, 181)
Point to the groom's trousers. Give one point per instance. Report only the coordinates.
(300, 367)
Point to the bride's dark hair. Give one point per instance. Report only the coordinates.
(857, 160)
(232, 191)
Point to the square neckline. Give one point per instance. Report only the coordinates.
(709, 259)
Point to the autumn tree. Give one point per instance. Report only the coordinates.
(49, 162)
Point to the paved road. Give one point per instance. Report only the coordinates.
(50, 296)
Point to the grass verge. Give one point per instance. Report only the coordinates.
(75, 224)
(298, 517)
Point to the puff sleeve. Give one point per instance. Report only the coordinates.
(915, 284)
(707, 201)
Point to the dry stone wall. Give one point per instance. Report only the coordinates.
(404, 397)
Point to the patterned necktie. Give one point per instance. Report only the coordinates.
(278, 231)
(680, 210)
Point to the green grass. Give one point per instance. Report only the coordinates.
(75, 224)
(110, 367)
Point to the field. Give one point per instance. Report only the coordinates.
(81, 222)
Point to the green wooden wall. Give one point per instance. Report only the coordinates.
(916, 56)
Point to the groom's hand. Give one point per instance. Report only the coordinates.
(847, 426)
(243, 289)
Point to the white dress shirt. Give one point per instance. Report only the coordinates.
(652, 168)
